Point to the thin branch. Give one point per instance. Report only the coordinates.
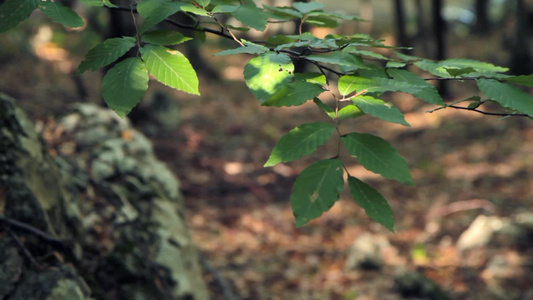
(482, 111)
(455, 78)
(24, 250)
(32, 230)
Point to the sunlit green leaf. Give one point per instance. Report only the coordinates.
(189, 7)
(164, 37)
(170, 67)
(300, 141)
(316, 189)
(105, 53)
(349, 112)
(326, 108)
(378, 156)
(296, 93)
(267, 74)
(403, 81)
(13, 12)
(507, 95)
(60, 14)
(375, 206)
(312, 77)
(380, 109)
(124, 85)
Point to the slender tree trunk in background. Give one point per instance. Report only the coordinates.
(401, 34)
(439, 31)
(521, 61)
(421, 28)
(482, 16)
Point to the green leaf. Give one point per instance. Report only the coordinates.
(249, 14)
(13, 12)
(191, 8)
(267, 74)
(203, 3)
(507, 95)
(124, 85)
(454, 71)
(249, 48)
(164, 37)
(105, 53)
(349, 112)
(395, 64)
(378, 156)
(170, 67)
(316, 189)
(321, 20)
(525, 80)
(61, 14)
(300, 141)
(380, 109)
(306, 7)
(426, 91)
(296, 93)
(224, 9)
(404, 81)
(312, 77)
(342, 59)
(282, 13)
(481, 68)
(367, 53)
(326, 108)
(155, 11)
(98, 3)
(375, 206)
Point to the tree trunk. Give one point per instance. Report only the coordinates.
(103, 220)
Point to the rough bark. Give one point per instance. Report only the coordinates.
(102, 220)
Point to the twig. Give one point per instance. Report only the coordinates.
(24, 250)
(32, 230)
(482, 111)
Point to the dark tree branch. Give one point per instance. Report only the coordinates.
(32, 230)
(482, 111)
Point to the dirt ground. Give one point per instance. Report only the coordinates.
(463, 164)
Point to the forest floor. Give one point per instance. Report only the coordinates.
(463, 164)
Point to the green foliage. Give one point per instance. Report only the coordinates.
(61, 14)
(105, 53)
(124, 85)
(300, 141)
(345, 69)
(13, 12)
(268, 73)
(378, 156)
(375, 206)
(170, 67)
(316, 189)
(380, 109)
(507, 95)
